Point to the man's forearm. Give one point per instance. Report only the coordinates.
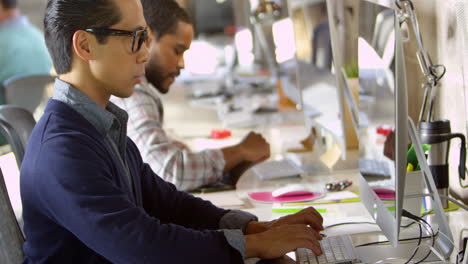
(232, 156)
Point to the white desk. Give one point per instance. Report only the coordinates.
(352, 212)
(336, 212)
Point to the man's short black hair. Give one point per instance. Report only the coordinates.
(64, 17)
(162, 16)
(9, 4)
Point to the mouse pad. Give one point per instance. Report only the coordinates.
(267, 197)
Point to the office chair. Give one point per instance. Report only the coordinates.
(11, 237)
(16, 124)
(26, 91)
(321, 46)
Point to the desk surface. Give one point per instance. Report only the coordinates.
(249, 182)
(335, 212)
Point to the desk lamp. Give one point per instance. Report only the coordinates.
(436, 133)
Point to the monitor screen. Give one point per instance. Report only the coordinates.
(316, 90)
(383, 104)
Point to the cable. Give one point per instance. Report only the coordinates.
(429, 228)
(419, 243)
(400, 240)
(373, 223)
(432, 249)
(458, 254)
(349, 223)
(386, 241)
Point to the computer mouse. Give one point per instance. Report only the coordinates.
(291, 190)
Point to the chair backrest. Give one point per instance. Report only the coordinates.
(26, 91)
(11, 237)
(16, 125)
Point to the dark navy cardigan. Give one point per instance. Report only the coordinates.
(77, 206)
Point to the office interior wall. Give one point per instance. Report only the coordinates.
(450, 22)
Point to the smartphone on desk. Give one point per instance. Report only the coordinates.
(215, 187)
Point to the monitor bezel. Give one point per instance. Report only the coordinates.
(390, 222)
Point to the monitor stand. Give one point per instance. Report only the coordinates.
(399, 254)
(444, 242)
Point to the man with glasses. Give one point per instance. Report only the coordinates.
(87, 195)
(173, 161)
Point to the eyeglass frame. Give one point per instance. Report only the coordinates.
(120, 32)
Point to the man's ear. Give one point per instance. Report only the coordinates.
(82, 45)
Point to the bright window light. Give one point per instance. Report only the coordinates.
(244, 46)
(201, 58)
(283, 36)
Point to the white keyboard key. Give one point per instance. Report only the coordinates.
(337, 249)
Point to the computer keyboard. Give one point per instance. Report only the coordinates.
(371, 168)
(274, 169)
(335, 249)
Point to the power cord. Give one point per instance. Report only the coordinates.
(462, 252)
(421, 222)
(419, 242)
(463, 247)
(373, 223)
(429, 228)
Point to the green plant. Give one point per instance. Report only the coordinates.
(352, 70)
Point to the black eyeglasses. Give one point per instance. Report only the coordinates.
(139, 36)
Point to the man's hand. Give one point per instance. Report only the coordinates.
(255, 148)
(280, 240)
(308, 216)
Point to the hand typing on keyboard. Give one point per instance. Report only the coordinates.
(273, 239)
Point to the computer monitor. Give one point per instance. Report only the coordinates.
(314, 85)
(212, 16)
(383, 103)
(384, 138)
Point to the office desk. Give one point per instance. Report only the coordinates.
(339, 213)
(249, 182)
